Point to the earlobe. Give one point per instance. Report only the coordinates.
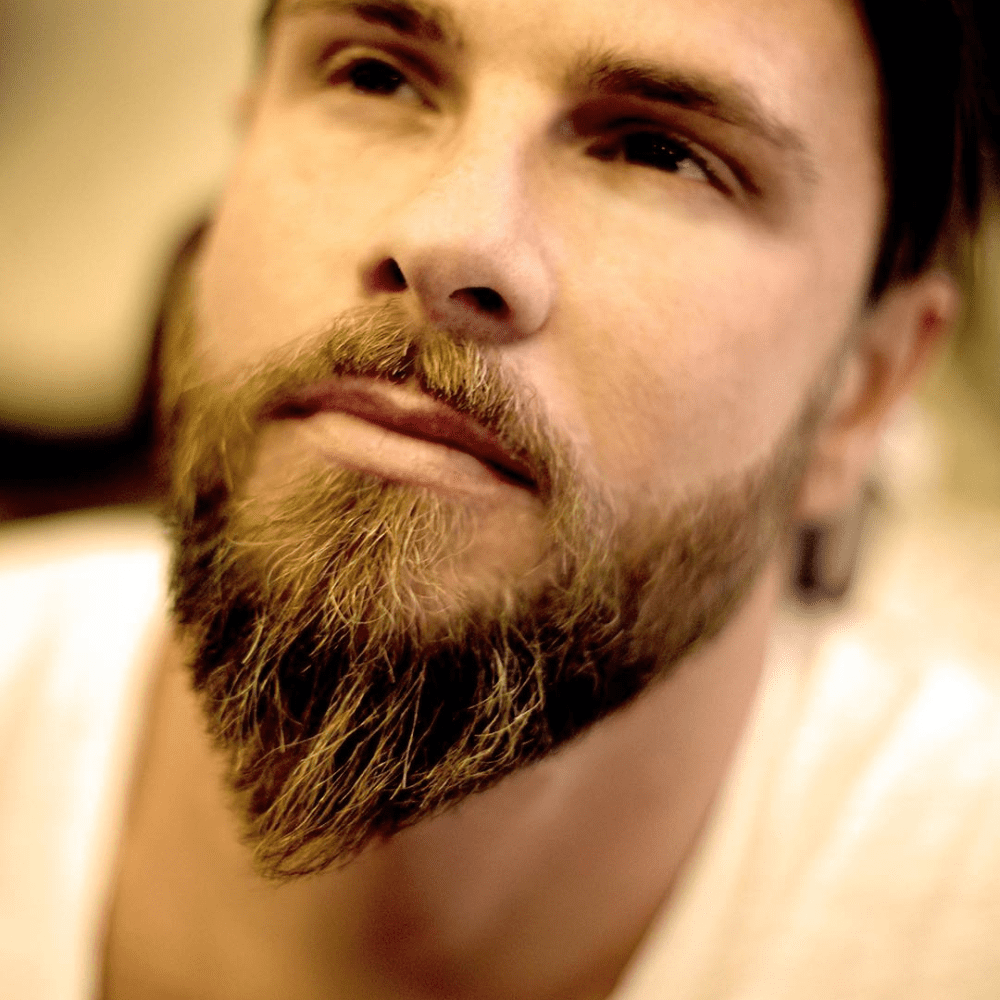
(889, 352)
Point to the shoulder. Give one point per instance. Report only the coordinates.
(855, 850)
(82, 608)
(59, 573)
(882, 815)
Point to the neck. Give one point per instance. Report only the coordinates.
(540, 887)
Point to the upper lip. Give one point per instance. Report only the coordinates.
(409, 411)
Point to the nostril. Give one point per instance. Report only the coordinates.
(397, 274)
(388, 277)
(484, 300)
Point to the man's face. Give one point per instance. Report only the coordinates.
(637, 236)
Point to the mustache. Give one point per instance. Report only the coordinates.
(381, 342)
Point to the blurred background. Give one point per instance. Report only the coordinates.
(117, 120)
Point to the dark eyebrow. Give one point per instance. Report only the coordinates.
(728, 101)
(417, 19)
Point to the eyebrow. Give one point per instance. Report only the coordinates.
(420, 20)
(727, 101)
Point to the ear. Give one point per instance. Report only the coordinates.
(889, 351)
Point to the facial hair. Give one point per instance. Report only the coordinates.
(354, 684)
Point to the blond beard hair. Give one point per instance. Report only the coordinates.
(347, 705)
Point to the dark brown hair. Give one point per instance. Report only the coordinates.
(936, 112)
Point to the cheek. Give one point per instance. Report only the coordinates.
(285, 253)
(694, 362)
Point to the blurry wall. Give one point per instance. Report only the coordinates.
(981, 347)
(964, 393)
(116, 123)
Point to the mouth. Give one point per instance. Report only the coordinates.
(408, 411)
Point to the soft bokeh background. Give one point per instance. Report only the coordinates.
(117, 120)
(116, 124)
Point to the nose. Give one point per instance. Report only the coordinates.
(465, 248)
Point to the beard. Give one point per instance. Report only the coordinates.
(354, 678)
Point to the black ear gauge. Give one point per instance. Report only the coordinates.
(829, 553)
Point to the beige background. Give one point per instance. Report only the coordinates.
(115, 128)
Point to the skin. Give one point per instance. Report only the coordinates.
(672, 324)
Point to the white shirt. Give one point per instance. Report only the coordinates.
(855, 850)
(81, 613)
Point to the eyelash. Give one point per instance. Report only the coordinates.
(340, 74)
(660, 142)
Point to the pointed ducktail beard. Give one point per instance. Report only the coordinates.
(353, 686)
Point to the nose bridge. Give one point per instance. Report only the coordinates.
(483, 182)
(466, 241)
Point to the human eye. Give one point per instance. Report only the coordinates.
(371, 75)
(662, 147)
(662, 151)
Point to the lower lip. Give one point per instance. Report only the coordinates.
(354, 443)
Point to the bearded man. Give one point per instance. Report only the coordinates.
(522, 340)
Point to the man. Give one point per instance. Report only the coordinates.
(521, 340)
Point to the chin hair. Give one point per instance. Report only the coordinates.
(351, 699)
(354, 680)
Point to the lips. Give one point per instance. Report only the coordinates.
(407, 410)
